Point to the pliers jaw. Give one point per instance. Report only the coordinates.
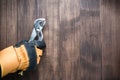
(37, 30)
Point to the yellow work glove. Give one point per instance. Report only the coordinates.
(23, 56)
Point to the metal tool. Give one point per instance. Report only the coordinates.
(37, 30)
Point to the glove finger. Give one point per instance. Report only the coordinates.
(40, 44)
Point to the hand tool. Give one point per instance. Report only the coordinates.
(37, 30)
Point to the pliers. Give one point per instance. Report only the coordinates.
(37, 30)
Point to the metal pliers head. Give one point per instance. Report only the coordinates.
(37, 30)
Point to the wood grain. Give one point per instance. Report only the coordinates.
(90, 44)
(11, 26)
(3, 24)
(82, 37)
(110, 39)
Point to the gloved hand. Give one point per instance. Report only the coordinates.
(23, 56)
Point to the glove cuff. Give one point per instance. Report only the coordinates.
(33, 50)
(30, 48)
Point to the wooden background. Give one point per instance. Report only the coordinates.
(82, 37)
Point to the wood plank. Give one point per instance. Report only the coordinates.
(90, 43)
(110, 13)
(3, 24)
(68, 53)
(11, 22)
(25, 18)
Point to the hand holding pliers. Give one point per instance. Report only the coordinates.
(25, 55)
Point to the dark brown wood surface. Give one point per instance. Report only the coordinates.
(82, 37)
